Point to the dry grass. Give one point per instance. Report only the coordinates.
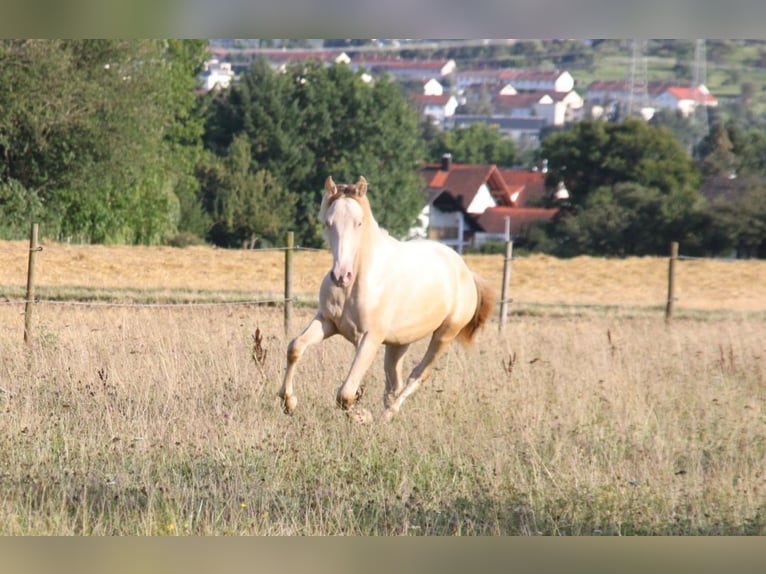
(118, 271)
(159, 421)
(133, 420)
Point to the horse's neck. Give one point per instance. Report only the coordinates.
(372, 239)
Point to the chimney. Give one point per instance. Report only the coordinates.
(446, 161)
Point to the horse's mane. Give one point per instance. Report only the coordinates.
(356, 191)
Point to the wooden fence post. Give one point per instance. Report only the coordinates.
(504, 300)
(289, 281)
(30, 297)
(671, 280)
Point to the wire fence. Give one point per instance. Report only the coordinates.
(287, 299)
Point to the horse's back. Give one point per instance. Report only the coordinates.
(426, 286)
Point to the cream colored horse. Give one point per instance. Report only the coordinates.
(381, 291)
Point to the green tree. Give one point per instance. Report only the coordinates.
(247, 207)
(633, 189)
(312, 121)
(592, 154)
(90, 128)
(628, 219)
(477, 143)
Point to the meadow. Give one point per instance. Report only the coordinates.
(588, 415)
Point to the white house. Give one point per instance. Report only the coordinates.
(539, 80)
(523, 80)
(433, 88)
(660, 95)
(216, 75)
(684, 99)
(437, 108)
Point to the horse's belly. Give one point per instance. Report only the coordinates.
(411, 322)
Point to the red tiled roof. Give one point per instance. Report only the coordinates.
(511, 101)
(695, 94)
(493, 219)
(530, 185)
(463, 181)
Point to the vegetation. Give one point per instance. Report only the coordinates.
(97, 137)
(106, 141)
(588, 416)
(161, 422)
(313, 121)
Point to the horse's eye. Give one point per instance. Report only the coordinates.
(358, 223)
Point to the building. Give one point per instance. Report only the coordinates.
(466, 205)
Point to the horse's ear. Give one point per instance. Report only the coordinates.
(361, 186)
(330, 188)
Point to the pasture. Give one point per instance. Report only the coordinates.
(588, 416)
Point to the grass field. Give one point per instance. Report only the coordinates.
(589, 415)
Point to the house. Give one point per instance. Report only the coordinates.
(433, 87)
(216, 75)
(556, 108)
(539, 80)
(466, 204)
(523, 80)
(524, 131)
(685, 99)
(436, 108)
(660, 95)
(526, 187)
(527, 192)
(403, 69)
(280, 59)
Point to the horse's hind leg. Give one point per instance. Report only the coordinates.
(437, 346)
(392, 363)
(318, 330)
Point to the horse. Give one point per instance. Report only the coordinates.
(384, 292)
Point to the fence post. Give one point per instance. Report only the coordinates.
(506, 274)
(671, 280)
(30, 297)
(289, 281)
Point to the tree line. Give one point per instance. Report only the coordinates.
(109, 141)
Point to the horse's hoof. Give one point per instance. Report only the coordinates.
(289, 404)
(360, 415)
(389, 414)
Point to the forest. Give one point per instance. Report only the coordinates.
(110, 141)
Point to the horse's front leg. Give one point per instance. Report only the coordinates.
(348, 392)
(392, 363)
(318, 330)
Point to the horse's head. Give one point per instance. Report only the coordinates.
(343, 215)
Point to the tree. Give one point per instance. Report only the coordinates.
(592, 154)
(91, 130)
(633, 189)
(312, 121)
(247, 206)
(477, 143)
(627, 219)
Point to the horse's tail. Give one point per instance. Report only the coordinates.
(484, 305)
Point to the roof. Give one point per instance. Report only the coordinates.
(524, 100)
(528, 75)
(654, 88)
(463, 181)
(699, 95)
(428, 100)
(522, 218)
(400, 63)
(525, 186)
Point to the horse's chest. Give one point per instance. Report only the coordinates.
(343, 311)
